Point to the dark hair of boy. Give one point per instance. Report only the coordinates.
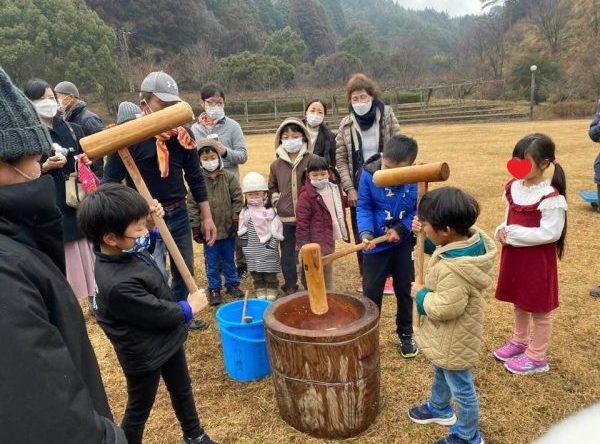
(318, 163)
(210, 90)
(35, 88)
(110, 209)
(542, 149)
(449, 207)
(316, 101)
(401, 149)
(295, 128)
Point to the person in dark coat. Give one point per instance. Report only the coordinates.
(322, 138)
(61, 163)
(51, 387)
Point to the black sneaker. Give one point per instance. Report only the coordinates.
(235, 291)
(242, 272)
(214, 297)
(202, 439)
(408, 347)
(197, 324)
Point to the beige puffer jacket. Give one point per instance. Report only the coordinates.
(343, 143)
(451, 333)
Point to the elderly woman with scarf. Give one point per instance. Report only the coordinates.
(362, 135)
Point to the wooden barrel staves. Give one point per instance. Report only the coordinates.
(325, 369)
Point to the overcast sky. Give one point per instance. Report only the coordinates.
(452, 7)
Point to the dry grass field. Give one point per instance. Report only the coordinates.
(514, 409)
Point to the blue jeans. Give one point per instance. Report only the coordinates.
(179, 225)
(457, 384)
(222, 253)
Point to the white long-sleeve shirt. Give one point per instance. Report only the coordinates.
(553, 211)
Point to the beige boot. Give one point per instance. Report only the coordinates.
(272, 294)
(260, 293)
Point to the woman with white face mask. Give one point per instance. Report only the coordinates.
(59, 164)
(362, 135)
(322, 138)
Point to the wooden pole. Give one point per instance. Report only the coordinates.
(419, 256)
(134, 172)
(353, 249)
(315, 279)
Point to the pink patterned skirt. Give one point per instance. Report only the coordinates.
(80, 268)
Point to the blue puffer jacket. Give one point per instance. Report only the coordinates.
(380, 208)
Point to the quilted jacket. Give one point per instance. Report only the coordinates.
(453, 301)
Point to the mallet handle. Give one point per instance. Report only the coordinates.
(134, 172)
(429, 172)
(419, 255)
(353, 249)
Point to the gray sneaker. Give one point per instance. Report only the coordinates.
(595, 292)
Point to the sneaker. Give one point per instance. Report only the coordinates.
(454, 439)
(422, 414)
(242, 272)
(408, 347)
(197, 324)
(595, 292)
(509, 350)
(360, 286)
(389, 286)
(291, 291)
(524, 365)
(260, 293)
(202, 439)
(234, 291)
(214, 297)
(272, 294)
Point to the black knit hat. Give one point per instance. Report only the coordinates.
(21, 131)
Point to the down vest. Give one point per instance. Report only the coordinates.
(453, 301)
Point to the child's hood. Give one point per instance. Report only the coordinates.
(472, 259)
(373, 164)
(208, 142)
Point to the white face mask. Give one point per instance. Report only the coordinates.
(362, 108)
(314, 119)
(256, 202)
(319, 184)
(292, 145)
(215, 112)
(210, 165)
(46, 108)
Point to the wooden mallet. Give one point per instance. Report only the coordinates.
(101, 144)
(422, 174)
(313, 262)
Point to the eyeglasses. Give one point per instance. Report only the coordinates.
(363, 98)
(213, 103)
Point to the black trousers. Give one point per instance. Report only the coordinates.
(397, 262)
(359, 255)
(264, 280)
(141, 392)
(288, 257)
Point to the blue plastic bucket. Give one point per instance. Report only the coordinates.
(244, 346)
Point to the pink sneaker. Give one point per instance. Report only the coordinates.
(509, 350)
(524, 365)
(389, 286)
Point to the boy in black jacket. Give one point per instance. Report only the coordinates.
(137, 310)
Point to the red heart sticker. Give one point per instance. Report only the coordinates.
(519, 168)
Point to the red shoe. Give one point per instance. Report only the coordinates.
(389, 286)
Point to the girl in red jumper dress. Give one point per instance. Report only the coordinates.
(532, 236)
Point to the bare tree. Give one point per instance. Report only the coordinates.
(550, 17)
(486, 43)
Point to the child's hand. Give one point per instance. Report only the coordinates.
(157, 210)
(414, 289)
(417, 226)
(197, 301)
(502, 236)
(393, 235)
(369, 245)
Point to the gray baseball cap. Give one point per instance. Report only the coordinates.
(65, 87)
(162, 85)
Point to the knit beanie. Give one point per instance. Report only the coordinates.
(128, 111)
(21, 131)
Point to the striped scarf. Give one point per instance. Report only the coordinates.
(162, 152)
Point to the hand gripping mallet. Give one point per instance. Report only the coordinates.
(313, 262)
(422, 174)
(114, 139)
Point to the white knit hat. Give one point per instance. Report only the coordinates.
(254, 182)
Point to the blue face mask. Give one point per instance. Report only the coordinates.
(141, 243)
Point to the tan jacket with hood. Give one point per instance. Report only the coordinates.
(285, 176)
(457, 276)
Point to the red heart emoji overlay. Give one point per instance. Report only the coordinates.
(519, 168)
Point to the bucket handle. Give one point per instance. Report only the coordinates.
(224, 330)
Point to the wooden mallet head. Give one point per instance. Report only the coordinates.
(112, 139)
(315, 279)
(429, 172)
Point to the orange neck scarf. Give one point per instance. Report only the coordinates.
(162, 152)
